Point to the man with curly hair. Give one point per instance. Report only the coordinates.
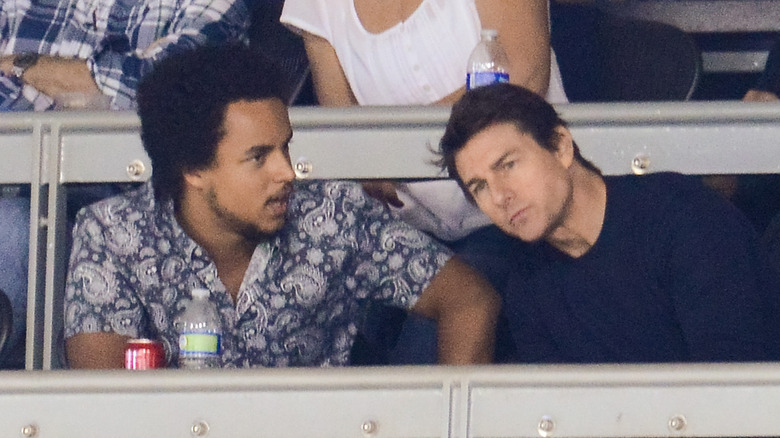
(290, 265)
(87, 54)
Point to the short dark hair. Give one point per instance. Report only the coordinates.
(182, 103)
(486, 106)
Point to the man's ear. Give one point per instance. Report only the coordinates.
(194, 178)
(565, 146)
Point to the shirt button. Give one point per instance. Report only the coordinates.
(416, 67)
(427, 88)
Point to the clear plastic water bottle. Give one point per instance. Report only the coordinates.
(200, 333)
(488, 63)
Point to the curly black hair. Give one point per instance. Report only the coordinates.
(182, 104)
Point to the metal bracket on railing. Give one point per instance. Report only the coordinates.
(303, 167)
(640, 164)
(136, 169)
(546, 426)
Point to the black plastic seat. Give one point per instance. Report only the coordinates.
(6, 324)
(606, 58)
(275, 42)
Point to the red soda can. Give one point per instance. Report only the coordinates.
(144, 354)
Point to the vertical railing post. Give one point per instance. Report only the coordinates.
(36, 255)
(56, 254)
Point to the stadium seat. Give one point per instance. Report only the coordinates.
(6, 320)
(606, 58)
(279, 44)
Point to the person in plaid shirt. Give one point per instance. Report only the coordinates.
(101, 46)
(99, 50)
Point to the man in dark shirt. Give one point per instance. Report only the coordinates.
(653, 268)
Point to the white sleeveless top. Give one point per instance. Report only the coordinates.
(416, 62)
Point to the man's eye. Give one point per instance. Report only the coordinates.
(508, 165)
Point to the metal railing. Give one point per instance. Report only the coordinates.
(712, 400)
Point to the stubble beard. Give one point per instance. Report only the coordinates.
(249, 231)
(558, 218)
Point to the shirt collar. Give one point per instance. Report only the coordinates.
(190, 251)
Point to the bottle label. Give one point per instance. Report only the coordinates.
(199, 343)
(478, 79)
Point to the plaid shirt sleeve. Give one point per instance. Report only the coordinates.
(120, 43)
(15, 96)
(11, 98)
(192, 23)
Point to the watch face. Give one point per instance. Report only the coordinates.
(23, 62)
(26, 60)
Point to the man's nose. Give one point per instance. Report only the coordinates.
(282, 167)
(501, 193)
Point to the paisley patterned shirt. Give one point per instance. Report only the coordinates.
(132, 268)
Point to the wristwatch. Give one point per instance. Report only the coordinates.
(22, 62)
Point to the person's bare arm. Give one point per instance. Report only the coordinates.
(332, 89)
(753, 95)
(53, 75)
(524, 32)
(465, 308)
(96, 350)
(451, 98)
(330, 83)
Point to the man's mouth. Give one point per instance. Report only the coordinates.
(519, 216)
(280, 200)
